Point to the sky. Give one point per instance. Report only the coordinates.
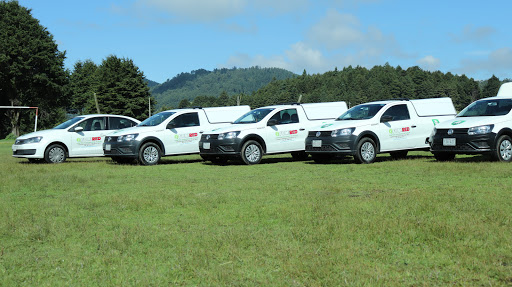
(168, 37)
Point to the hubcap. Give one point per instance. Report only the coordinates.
(367, 151)
(252, 153)
(151, 154)
(56, 154)
(506, 150)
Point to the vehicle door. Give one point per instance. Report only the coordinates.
(284, 132)
(87, 137)
(395, 129)
(183, 134)
(117, 123)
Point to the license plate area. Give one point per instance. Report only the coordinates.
(449, 142)
(108, 147)
(316, 143)
(206, 145)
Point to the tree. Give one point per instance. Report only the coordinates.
(83, 84)
(184, 104)
(31, 66)
(492, 87)
(121, 89)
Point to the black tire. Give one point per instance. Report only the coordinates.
(149, 154)
(366, 151)
(503, 149)
(399, 154)
(122, 160)
(251, 152)
(444, 156)
(55, 153)
(299, 155)
(322, 158)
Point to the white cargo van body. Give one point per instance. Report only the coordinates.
(173, 132)
(483, 127)
(394, 126)
(267, 130)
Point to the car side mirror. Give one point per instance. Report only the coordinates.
(171, 126)
(272, 122)
(385, 119)
(78, 129)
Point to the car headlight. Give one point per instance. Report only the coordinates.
(342, 132)
(228, 135)
(28, 141)
(480, 130)
(127, 138)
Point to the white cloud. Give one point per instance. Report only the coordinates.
(429, 63)
(473, 34)
(497, 62)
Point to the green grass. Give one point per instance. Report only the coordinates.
(414, 222)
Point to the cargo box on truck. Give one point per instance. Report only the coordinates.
(267, 130)
(394, 126)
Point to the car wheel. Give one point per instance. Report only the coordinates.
(366, 151)
(149, 154)
(252, 152)
(398, 154)
(444, 156)
(55, 154)
(321, 158)
(504, 148)
(299, 155)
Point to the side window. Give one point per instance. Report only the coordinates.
(93, 124)
(116, 123)
(288, 116)
(186, 120)
(397, 113)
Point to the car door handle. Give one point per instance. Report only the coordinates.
(302, 129)
(413, 126)
(201, 132)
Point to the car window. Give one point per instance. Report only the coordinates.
(185, 120)
(93, 124)
(398, 113)
(288, 116)
(116, 123)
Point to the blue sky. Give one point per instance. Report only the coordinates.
(167, 37)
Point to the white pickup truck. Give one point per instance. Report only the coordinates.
(173, 132)
(267, 130)
(483, 127)
(394, 126)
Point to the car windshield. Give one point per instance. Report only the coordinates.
(68, 123)
(253, 116)
(494, 107)
(155, 120)
(361, 112)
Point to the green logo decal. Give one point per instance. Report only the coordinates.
(435, 121)
(457, 123)
(176, 136)
(277, 134)
(326, 125)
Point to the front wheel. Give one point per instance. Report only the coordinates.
(55, 154)
(366, 151)
(504, 149)
(251, 152)
(149, 154)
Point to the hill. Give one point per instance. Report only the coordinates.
(214, 83)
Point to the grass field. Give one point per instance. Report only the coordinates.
(414, 222)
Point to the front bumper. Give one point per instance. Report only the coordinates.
(340, 145)
(464, 143)
(226, 147)
(34, 150)
(113, 148)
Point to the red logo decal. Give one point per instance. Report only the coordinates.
(293, 132)
(96, 139)
(405, 129)
(192, 135)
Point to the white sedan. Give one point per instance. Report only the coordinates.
(81, 136)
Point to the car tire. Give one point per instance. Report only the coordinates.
(366, 151)
(299, 155)
(251, 152)
(321, 158)
(149, 154)
(398, 154)
(504, 149)
(55, 153)
(444, 156)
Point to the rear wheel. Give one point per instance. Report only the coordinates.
(149, 154)
(251, 152)
(55, 154)
(398, 154)
(366, 151)
(444, 156)
(504, 149)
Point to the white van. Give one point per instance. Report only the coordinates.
(483, 127)
(394, 126)
(173, 132)
(267, 130)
